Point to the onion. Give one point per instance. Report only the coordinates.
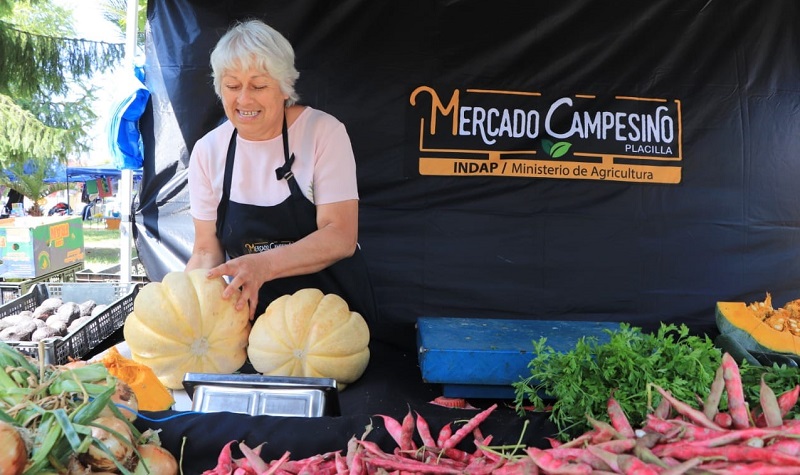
(72, 364)
(13, 453)
(120, 450)
(155, 460)
(125, 399)
(75, 467)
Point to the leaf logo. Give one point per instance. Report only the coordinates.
(555, 150)
(44, 260)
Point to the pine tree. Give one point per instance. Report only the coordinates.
(45, 112)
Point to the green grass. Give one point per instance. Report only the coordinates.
(103, 236)
(98, 259)
(101, 247)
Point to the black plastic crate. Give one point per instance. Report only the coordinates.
(12, 289)
(112, 274)
(78, 343)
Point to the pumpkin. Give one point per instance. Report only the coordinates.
(151, 394)
(310, 334)
(183, 325)
(728, 344)
(761, 327)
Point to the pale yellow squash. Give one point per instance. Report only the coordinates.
(310, 334)
(182, 324)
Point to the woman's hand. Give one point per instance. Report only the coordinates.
(335, 239)
(247, 273)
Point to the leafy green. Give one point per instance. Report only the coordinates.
(582, 380)
(779, 378)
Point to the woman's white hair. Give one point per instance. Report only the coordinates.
(254, 44)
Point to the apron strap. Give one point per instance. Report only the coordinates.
(284, 172)
(222, 207)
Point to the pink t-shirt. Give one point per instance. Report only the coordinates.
(324, 165)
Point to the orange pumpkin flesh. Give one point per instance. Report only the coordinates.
(150, 393)
(760, 327)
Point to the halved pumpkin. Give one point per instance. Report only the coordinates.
(760, 327)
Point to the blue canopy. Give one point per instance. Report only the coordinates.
(60, 174)
(90, 173)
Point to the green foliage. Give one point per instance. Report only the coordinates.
(23, 135)
(72, 116)
(53, 130)
(39, 69)
(54, 20)
(30, 182)
(31, 63)
(582, 380)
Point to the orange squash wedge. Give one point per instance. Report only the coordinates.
(761, 327)
(150, 393)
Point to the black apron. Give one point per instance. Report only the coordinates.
(245, 229)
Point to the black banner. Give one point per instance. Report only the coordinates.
(577, 160)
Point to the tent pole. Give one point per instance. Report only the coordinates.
(125, 190)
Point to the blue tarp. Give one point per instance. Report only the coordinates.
(124, 139)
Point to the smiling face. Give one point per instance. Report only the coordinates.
(253, 102)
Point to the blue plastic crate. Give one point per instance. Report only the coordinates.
(482, 358)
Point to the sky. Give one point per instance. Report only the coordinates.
(90, 25)
(89, 21)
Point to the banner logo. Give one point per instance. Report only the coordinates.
(481, 132)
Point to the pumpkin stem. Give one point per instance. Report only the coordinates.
(300, 354)
(200, 346)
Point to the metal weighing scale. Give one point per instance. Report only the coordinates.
(255, 394)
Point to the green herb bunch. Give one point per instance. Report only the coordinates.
(779, 378)
(581, 381)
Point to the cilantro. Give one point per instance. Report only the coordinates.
(581, 380)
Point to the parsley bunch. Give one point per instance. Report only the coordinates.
(581, 380)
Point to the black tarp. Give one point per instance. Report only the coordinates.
(390, 386)
(716, 219)
(521, 247)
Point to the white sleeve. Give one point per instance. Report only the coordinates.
(334, 165)
(203, 199)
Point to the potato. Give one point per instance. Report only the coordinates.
(15, 319)
(68, 311)
(59, 323)
(98, 309)
(5, 324)
(77, 323)
(47, 307)
(87, 307)
(22, 331)
(44, 332)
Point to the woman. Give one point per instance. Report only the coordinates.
(273, 191)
